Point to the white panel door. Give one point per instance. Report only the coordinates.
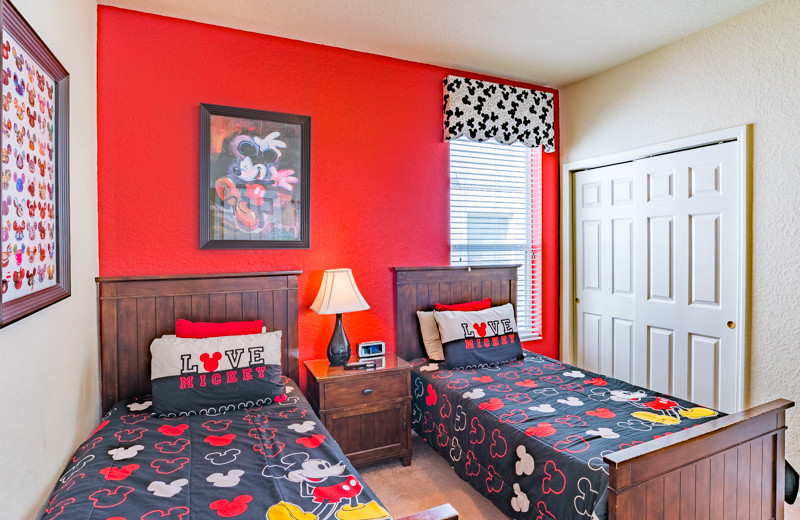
(604, 236)
(656, 257)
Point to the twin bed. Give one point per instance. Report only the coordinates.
(541, 439)
(273, 460)
(544, 440)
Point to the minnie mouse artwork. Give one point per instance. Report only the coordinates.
(257, 171)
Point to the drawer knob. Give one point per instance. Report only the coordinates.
(367, 391)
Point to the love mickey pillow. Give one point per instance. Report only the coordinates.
(213, 375)
(479, 338)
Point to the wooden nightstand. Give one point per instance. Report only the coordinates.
(368, 412)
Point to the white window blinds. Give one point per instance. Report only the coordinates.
(495, 216)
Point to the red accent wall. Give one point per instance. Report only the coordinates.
(379, 166)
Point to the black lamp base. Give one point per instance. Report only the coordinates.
(339, 346)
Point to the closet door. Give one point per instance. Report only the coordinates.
(657, 274)
(604, 247)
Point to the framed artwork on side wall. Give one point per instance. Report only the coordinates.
(34, 194)
(254, 179)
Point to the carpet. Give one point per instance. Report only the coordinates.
(428, 482)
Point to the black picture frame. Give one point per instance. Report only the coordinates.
(35, 269)
(254, 179)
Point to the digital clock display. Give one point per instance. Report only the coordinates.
(371, 348)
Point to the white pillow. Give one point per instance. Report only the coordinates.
(430, 335)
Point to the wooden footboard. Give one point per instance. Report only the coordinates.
(731, 468)
(443, 512)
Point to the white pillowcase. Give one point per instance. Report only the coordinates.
(430, 335)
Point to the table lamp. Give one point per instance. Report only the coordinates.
(338, 294)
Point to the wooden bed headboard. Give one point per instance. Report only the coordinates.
(134, 310)
(419, 288)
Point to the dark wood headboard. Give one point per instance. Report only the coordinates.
(419, 288)
(134, 310)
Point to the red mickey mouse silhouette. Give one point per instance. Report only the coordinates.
(176, 446)
(220, 440)
(476, 433)
(492, 404)
(446, 408)
(165, 466)
(458, 384)
(483, 379)
(541, 430)
(174, 513)
(443, 439)
(494, 483)
(603, 413)
(473, 467)
(227, 509)
(311, 442)
(499, 446)
(554, 480)
(210, 363)
(59, 508)
(122, 473)
(173, 431)
(480, 329)
(261, 433)
(269, 450)
(107, 498)
(430, 399)
(544, 514)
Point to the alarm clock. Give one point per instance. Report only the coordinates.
(368, 349)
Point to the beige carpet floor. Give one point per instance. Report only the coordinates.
(428, 482)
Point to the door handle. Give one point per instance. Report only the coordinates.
(367, 391)
(731, 324)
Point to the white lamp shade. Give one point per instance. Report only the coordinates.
(338, 293)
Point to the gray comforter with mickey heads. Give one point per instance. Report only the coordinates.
(276, 462)
(531, 434)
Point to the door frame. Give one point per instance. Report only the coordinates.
(743, 137)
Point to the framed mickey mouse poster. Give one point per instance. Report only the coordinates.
(34, 195)
(254, 179)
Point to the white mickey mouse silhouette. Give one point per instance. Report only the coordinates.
(231, 479)
(571, 401)
(455, 450)
(525, 464)
(574, 373)
(461, 419)
(585, 499)
(221, 458)
(624, 395)
(164, 490)
(125, 453)
(288, 389)
(520, 502)
(606, 433)
(474, 394)
(544, 408)
(303, 427)
(138, 407)
(596, 463)
(430, 367)
(419, 388)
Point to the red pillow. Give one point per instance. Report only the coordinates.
(478, 305)
(200, 329)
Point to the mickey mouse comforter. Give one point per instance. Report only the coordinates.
(531, 434)
(276, 462)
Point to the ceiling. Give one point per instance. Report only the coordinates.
(547, 42)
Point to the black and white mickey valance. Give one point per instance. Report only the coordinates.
(480, 110)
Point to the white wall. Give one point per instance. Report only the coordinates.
(48, 361)
(744, 70)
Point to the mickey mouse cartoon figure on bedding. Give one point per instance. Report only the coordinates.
(253, 192)
(328, 485)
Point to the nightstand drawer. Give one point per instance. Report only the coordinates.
(365, 390)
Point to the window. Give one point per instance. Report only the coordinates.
(495, 217)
